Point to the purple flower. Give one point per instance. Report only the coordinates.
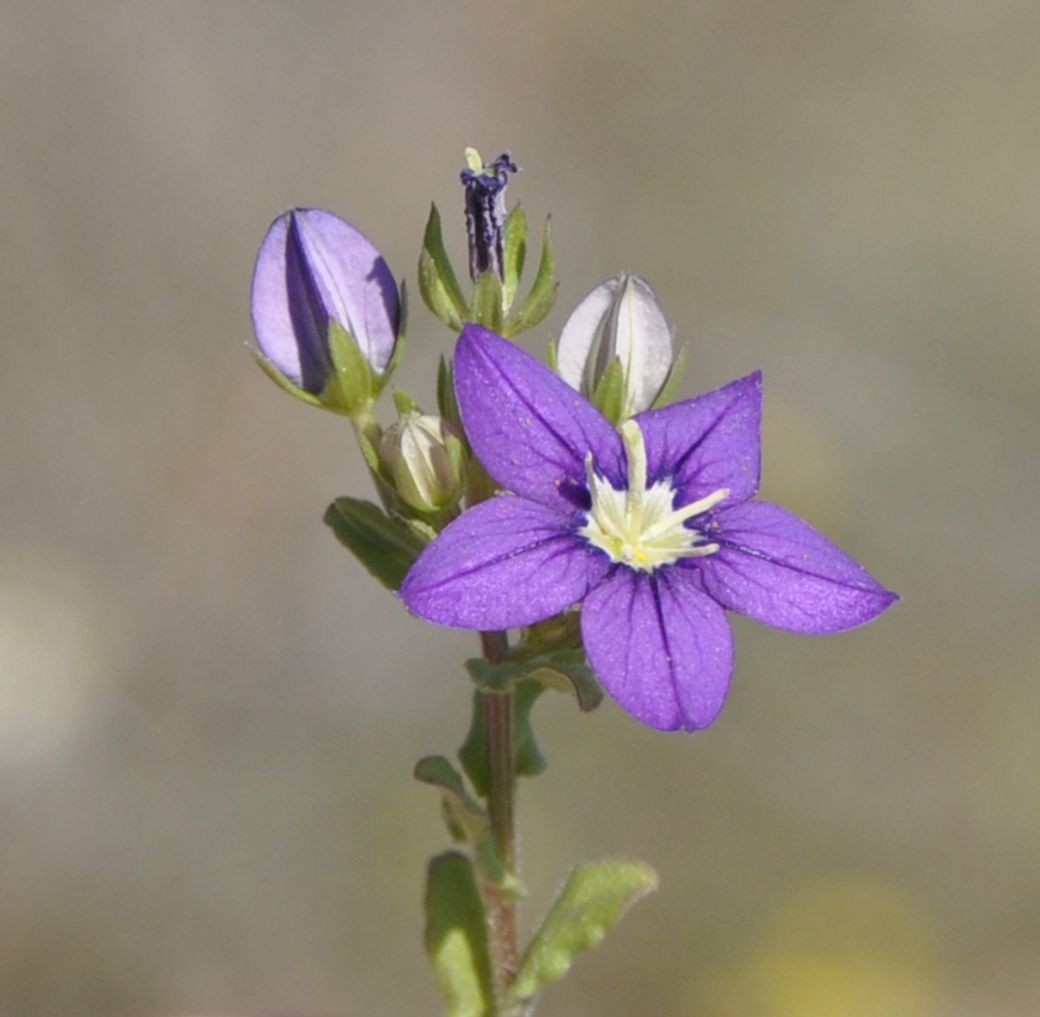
(651, 529)
(315, 270)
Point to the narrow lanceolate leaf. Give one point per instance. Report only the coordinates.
(385, 546)
(437, 282)
(514, 253)
(591, 902)
(456, 936)
(538, 303)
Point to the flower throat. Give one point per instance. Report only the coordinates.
(639, 526)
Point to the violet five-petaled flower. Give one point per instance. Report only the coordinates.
(651, 529)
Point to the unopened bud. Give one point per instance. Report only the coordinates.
(325, 310)
(619, 322)
(425, 459)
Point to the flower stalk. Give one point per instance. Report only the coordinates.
(497, 708)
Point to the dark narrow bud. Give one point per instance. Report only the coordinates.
(486, 210)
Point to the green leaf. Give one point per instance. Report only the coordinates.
(538, 303)
(384, 545)
(456, 936)
(437, 282)
(487, 301)
(465, 811)
(473, 751)
(514, 247)
(563, 669)
(568, 671)
(591, 902)
(529, 759)
(609, 397)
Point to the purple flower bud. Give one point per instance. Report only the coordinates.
(486, 210)
(313, 270)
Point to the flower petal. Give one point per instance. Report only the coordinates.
(528, 427)
(660, 647)
(313, 265)
(503, 563)
(776, 568)
(709, 442)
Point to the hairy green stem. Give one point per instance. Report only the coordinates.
(501, 802)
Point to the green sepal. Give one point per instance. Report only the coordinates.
(514, 249)
(386, 546)
(609, 395)
(437, 282)
(404, 403)
(352, 384)
(285, 385)
(446, 402)
(400, 343)
(591, 902)
(539, 301)
(671, 382)
(371, 456)
(456, 936)
(423, 531)
(554, 359)
(565, 670)
(487, 301)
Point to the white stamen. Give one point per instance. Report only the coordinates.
(639, 526)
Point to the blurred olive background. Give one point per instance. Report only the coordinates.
(209, 714)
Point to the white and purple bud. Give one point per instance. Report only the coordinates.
(619, 323)
(325, 310)
(425, 459)
(486, 211)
